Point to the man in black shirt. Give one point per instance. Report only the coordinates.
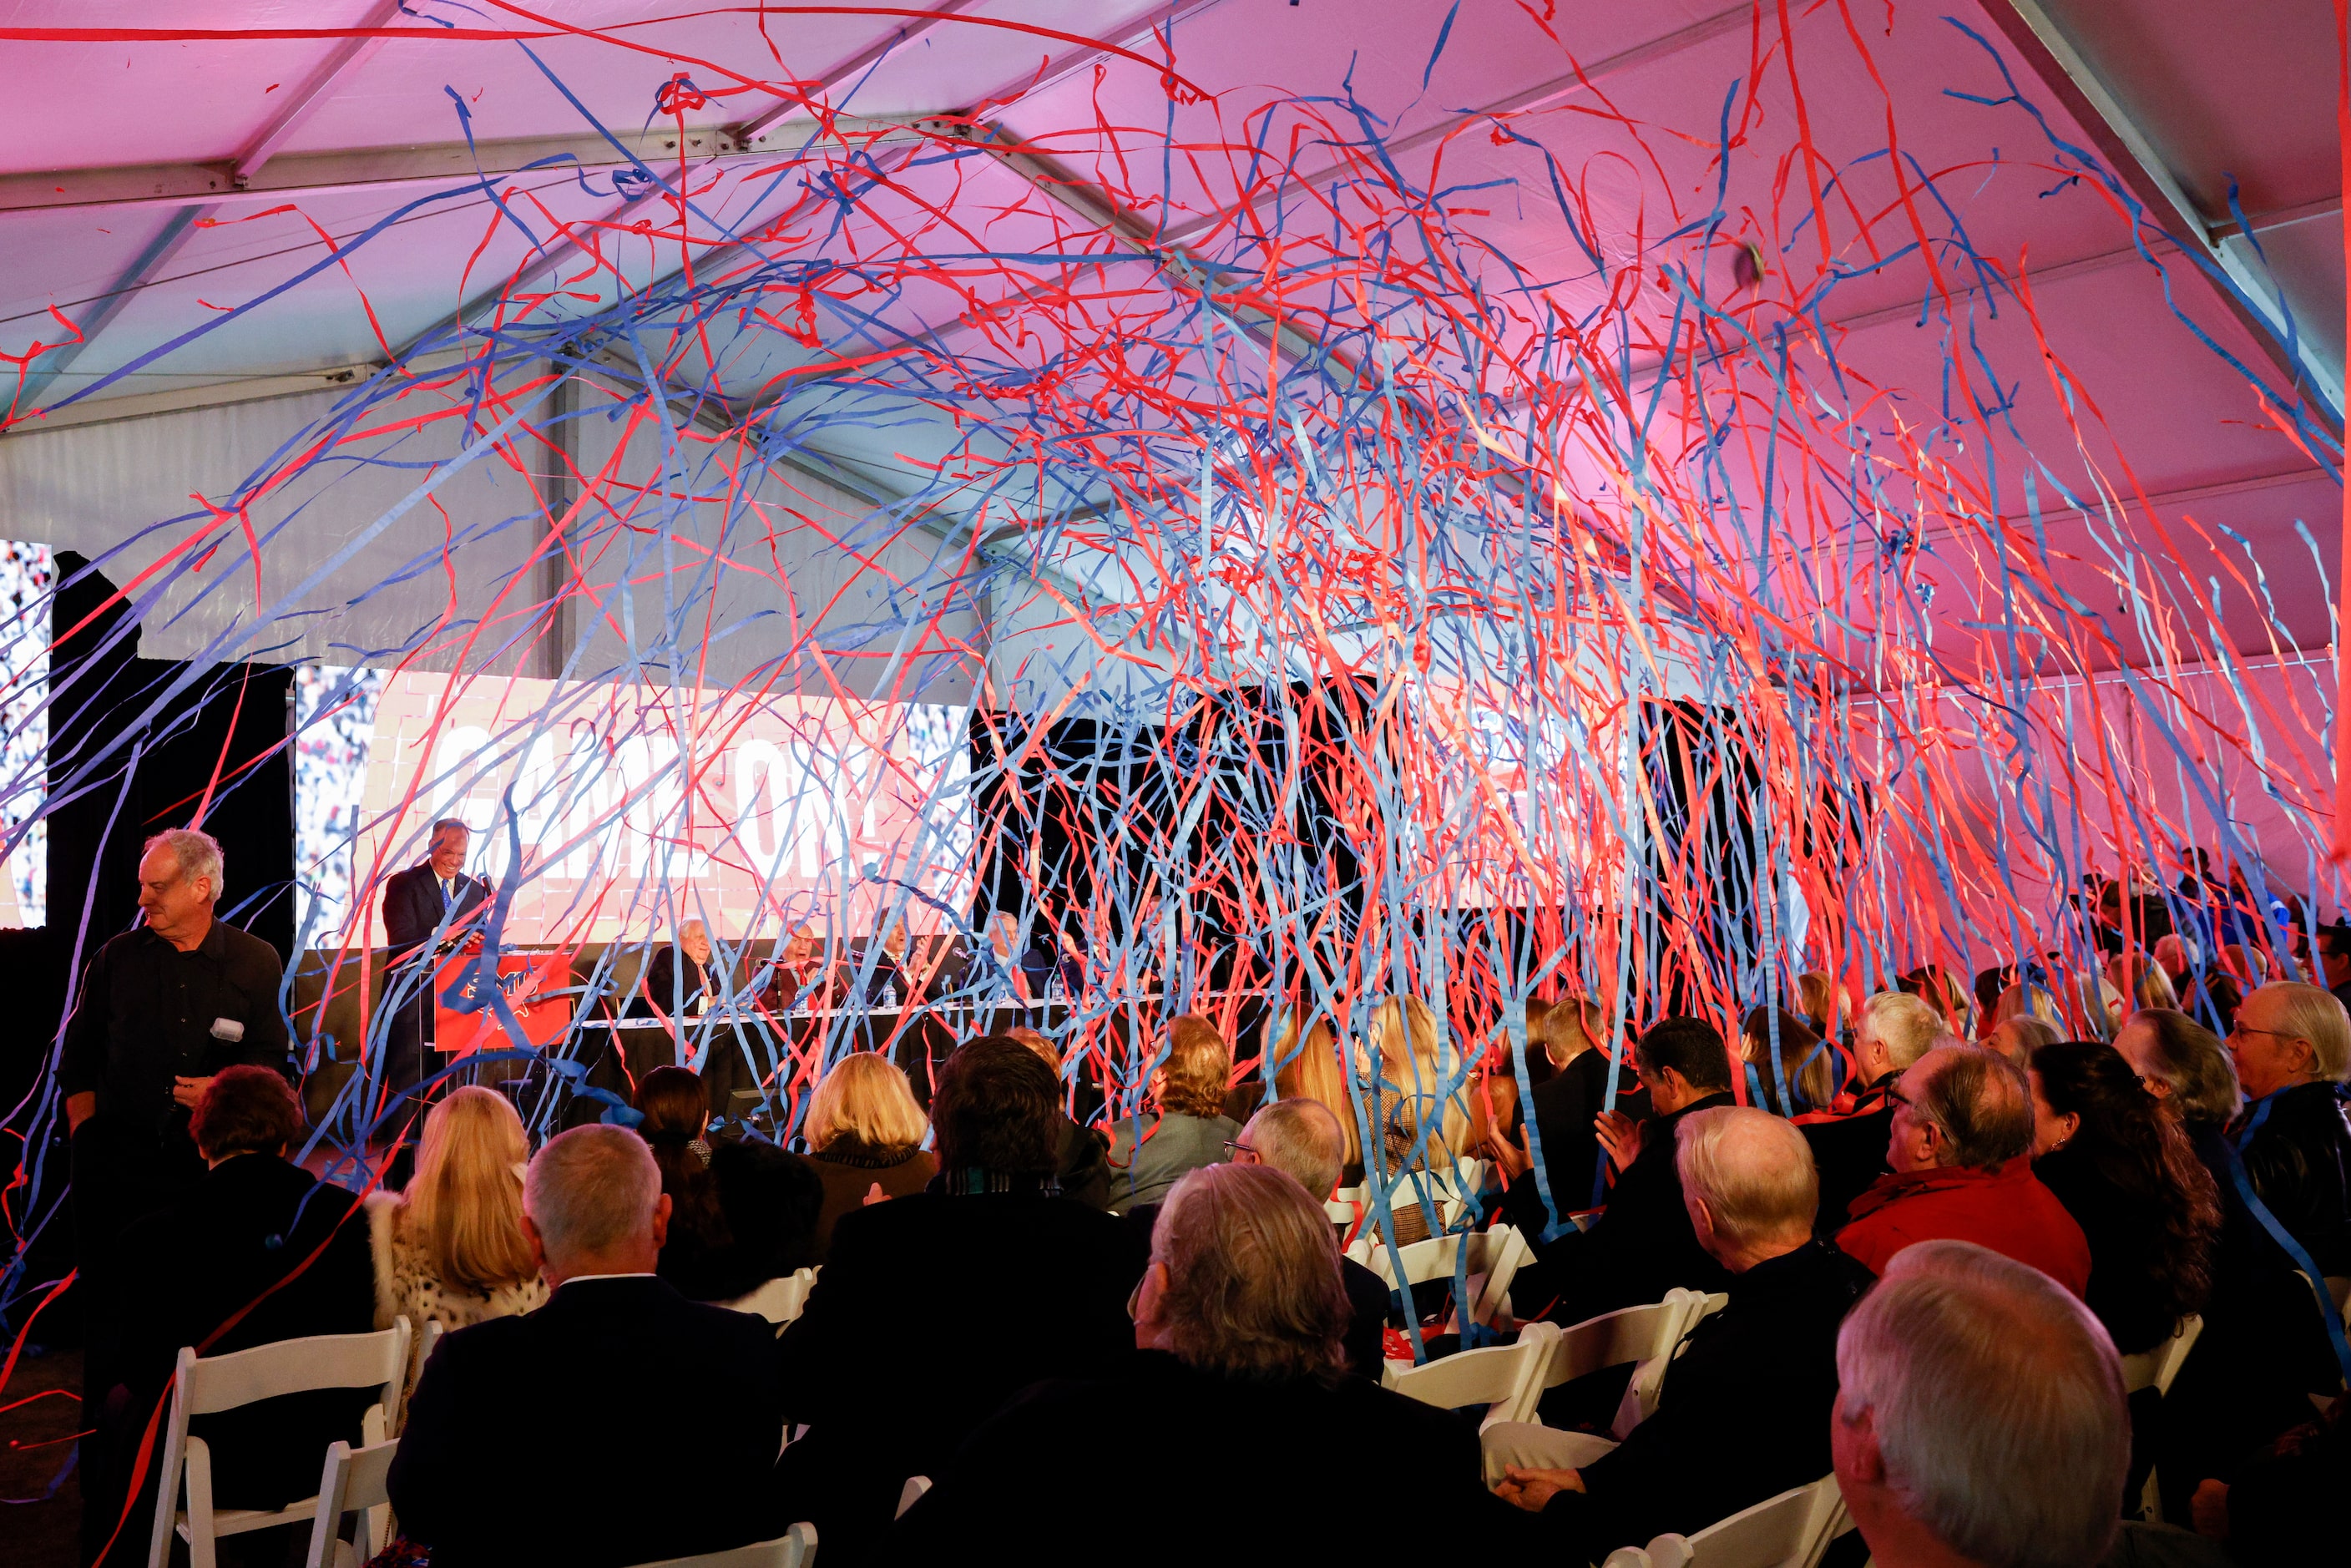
(160, 1010)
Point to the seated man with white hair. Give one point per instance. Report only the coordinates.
(1234, 1433)
(1743, 1414)
(1893, 1029)
(1302, 1138)
(1962, 1155)
(1979, 1420)
(527, 1439)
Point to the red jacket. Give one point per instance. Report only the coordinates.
(2002, 1207)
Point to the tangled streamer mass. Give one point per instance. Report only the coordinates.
(1288, 597)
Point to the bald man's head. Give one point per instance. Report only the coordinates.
(1301, 1137)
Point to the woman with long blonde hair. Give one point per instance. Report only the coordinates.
(1312, 1071)
(1416, 1064)
(451, 1249)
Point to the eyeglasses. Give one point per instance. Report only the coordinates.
(2273, 1033)
(1235, 1149)
(1135, 1302)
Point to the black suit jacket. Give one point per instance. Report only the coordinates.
(177, 1275)
(1153, 1428)
(1849, 1153)
(1641, 1246)
(1565, 1106)
(412, 906)
(661, 987)
(930, 1312)
(619, 1423)
(1743, 1414)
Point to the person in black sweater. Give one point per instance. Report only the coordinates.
(258, 1232)
(933, 1309)
(2291, 1048)
(1893, 1031)
(1642, 1245)
(1569, 1103)
(1237, 1324)
(526, 1437)
(2124, 1170)
(1744, 1413)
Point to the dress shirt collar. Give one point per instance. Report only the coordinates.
(584, 1279)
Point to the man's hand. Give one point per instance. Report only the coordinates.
(1620, 1135)
(1530, 1489)
(79, 1108)
(188, 1090)
(473, 943)
(875, 1195)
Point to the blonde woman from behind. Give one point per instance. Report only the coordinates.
(451, 1250)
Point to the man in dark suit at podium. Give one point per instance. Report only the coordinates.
(417, 903)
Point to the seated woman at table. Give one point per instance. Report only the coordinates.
(1151, 1154)
(864, 1133)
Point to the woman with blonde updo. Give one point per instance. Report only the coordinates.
(451, 1250)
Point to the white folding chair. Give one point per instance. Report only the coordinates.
(795, 1548)
(353, 1482)
(2155, 1369)
(1494, 1259)
(911, 1493)
(1504, 1378)
(205, 1386)
(1791, 1531)
(1646, 1336)
(778, 1300)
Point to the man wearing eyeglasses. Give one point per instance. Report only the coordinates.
(1961, 1150)
(2291, 1048)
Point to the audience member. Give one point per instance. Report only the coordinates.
(1426, 1113)
(1816, 999)
(864, 1135)
(2335, 960)
(1237, 1322)
(932, 1309)
(1300, 1138)
(1893, 1031)
(768, 1204)
(1568, 1105)
(523, 1443)
(2031, 998)
(256, 1251)
(674, 1115)
(1979, 1419)
(2183, 1062)
(1147, 1158)
(1312, 1071)
(1960, 1148)
(451, 1250)
(2124, 1170)
(2287, 1506)
(1643, 1244)
(1802, 1067)
(1083, 1172)
(2291, 1048)
(1744, 1413)
(2018, 1038)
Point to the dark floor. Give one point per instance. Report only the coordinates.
(40, 1412)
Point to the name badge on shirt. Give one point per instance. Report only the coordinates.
(228, 1030)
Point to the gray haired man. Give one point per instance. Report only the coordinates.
(161, 1009)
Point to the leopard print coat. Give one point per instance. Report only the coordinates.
(404, 1282)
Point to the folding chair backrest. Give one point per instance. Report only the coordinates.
(2156, 1368)
(1494, 1254)
(354, 1481)
(1504, 1378)
(778, 1300)
(911, 1493)
(427, 1338)
(216, 1383)
(792, 1549)
(1791, 1531)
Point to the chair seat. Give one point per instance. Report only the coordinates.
(237, 1521)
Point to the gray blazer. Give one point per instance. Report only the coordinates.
(1170, 1148)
